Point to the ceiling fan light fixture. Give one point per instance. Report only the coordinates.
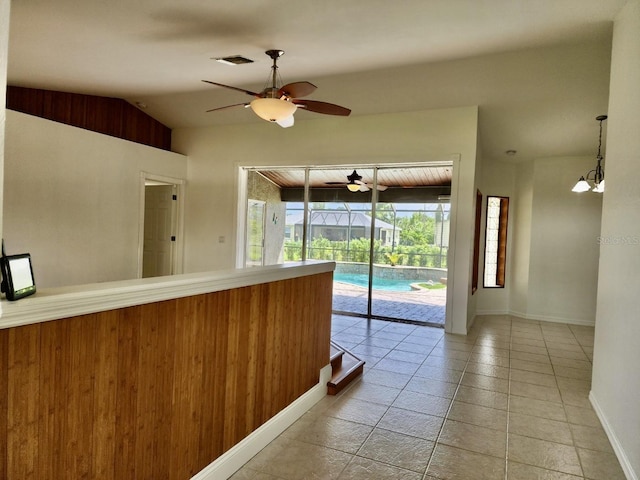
(272, 109)
(353, 187)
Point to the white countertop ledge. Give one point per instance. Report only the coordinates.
(54, 303)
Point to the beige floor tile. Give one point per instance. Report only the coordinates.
(548, 394)
(421, 347)
(478, 415)
(493, 351)
(370, 392)
(531, 357)
(600, 465)
(358, 411)
(569, 372)
(592, 438)
(443, 362)
(544, 454)
(387, 379)
(488, 370)
(477, 396)
(457, 342)
(541, 428)
(489, 359)
(399, 450)
(557, 352)
(575, 398)
(366, 469)
(582, 416)
(568, 339)
(538, 408)
(486, 383)
(522, 340)
(572, 347)
(246, 473)
(412, 423)
(334, 433)
(533, 377)
(474, 438)
(439, 373)
(495, 341)
(397, 366)
(423, 403)
(403, 355)
(432, 387)
(519, 471)
(569, 362)
(449, 463)
(529, 349)
(572, 384)
(296, 460)
(532, 366)
(448, 353)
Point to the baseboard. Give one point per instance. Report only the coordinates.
(541, 318)
(617, 448)
(229, 462)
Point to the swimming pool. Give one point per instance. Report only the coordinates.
(362, 280)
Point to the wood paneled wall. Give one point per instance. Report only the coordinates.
(111, 116)
(157, 391)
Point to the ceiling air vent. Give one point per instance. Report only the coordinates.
(234, 60)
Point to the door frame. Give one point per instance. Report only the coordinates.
(177, 257)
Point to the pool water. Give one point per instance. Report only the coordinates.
(362, 280)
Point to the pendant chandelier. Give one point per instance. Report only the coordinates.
(583, 184)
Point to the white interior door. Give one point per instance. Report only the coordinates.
(159, 230)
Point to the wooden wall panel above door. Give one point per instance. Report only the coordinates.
(111, 116)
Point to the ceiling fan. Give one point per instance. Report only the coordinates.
(278, 104)
(355, 184)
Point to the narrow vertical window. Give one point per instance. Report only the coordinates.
(495, 246)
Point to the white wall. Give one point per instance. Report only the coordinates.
(4, 49)
(521, 244)
(498, 179)
(72, 198)
(616, 381)
(564, 250)
(216, 153)
(552, 247)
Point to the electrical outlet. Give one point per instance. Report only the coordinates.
(221, 239)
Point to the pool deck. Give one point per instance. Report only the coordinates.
(424, 306)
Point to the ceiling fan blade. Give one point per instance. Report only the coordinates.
(297, 89)
(322, 107)
(229, 106)
(364, 187)
(381, 188)
(335, 183)
(248, 92)
(286, 122)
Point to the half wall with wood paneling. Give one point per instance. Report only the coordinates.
(157, 391)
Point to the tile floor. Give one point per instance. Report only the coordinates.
(509, 401)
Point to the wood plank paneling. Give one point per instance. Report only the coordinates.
(111, 116)
(157, 391)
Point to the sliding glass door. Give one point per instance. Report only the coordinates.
(387, 229)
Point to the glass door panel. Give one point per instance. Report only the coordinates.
(339, 229)
(410, 243)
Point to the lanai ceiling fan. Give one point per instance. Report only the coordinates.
(278, 104)
(355, 184)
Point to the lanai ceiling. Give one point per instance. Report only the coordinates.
(537, 69)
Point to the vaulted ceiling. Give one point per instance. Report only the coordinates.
(537, 69)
